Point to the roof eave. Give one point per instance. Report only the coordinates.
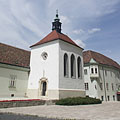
(27, 67)
(54, 40)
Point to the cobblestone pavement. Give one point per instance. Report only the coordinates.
(7, 116)
(104, 111)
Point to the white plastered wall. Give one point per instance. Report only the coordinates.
(68, 82)
(103, 78)
(48, 68)
(91, 92)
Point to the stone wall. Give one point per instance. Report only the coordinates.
(25, 103)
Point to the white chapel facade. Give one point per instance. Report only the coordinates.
(56, 67)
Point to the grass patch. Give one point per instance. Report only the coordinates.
(78, 101)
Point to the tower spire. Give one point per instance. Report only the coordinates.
(56, 25)
(57, 14)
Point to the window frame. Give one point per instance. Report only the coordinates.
(85, 72)
(12, 82)
(107, 86)
(66, 65)
(86, 86)
(79, 67)
(73, 66)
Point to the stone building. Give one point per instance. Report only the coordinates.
(101, 76)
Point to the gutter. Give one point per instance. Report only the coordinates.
(104, 85)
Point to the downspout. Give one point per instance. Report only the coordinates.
(104, 85)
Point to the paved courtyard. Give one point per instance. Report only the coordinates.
(105, 111)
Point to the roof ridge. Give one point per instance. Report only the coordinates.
(58, 34)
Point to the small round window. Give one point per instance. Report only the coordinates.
(44, 55)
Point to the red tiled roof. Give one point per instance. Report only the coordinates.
(14, 56)
(87, 55)
(54, 35)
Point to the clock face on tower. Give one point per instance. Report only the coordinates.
(44, 55)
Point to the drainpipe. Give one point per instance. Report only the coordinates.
(104, 84)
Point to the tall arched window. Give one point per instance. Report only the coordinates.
(73, 68)
(65, 65)
(79, 67)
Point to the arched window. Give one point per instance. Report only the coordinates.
(65, 65)
(79, 67)
(73, 68)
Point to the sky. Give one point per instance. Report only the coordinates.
(92, 24)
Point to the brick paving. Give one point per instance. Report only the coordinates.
(104, 111)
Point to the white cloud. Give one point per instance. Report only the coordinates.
(85, 34)
(22, 11)
(80, 31)
(93, 30)
(64, 19)
(80, 43)
(26, 20)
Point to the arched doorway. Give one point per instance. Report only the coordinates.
(44, 87)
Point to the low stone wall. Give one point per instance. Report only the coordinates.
(24, 103)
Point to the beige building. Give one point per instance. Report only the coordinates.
(14, 69)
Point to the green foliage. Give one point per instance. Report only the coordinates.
(78, 101)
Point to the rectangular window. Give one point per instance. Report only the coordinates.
(85, 71)
(107, 86)
(108, 98)
(12, 81)
(96, 70)
(112, 86)
(106, 72)
(102, 98)
(86, 86)
(113, 97)
(101, 86)
(92, 70)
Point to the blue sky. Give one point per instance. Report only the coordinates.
(93, 24)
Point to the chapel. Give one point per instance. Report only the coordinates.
(56, 66)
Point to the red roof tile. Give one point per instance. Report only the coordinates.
(54, 35)
(14, 56)
(87, 55)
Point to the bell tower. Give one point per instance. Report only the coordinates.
(56, 25)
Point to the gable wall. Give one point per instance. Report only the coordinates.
(48, 68)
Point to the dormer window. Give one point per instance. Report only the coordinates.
(92, 71)
(96, 70)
